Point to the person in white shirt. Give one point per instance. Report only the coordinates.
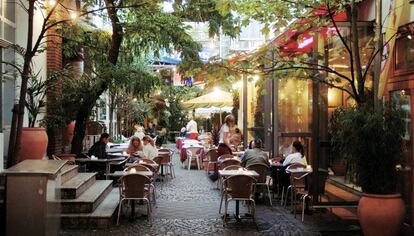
(297, 155)
(192, 126)
(149, 149)
(139, 133)
(226, 132)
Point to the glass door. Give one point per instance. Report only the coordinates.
(402, 99)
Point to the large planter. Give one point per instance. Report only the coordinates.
(69, 131)
(381, 214)
(34, 144)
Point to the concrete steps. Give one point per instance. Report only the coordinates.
(84, 202)
(101, 217)
(75, 186)
(88, 201)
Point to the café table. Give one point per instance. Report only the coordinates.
(228, 173)
(155, 165)
(118, 174)
(106, 161)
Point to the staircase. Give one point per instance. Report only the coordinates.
(2, 204)
(85, 203)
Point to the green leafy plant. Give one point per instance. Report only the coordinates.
(371, 141)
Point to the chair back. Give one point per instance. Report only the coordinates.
(151, 168)
(229, 162)
(164, 150)
(240, 185)
(212, 155)
(147, 161)
(193, 150)
(133, 185)
(137, 167)
(232, 167)
(225, 157)
(165, 159)
(261, 169)
(157, 159)
(297, 179)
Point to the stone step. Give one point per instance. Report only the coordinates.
(101, 217)
(68, 172)
(74, 187)
(88, 201)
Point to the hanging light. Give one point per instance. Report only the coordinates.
(409, 36)
(73, 15)
(52, 3)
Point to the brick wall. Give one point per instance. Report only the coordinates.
(54, 92)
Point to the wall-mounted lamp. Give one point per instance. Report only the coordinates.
(409, 36)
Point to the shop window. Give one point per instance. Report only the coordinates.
(404, 54)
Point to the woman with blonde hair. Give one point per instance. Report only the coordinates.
(224, 146)
(135, 146)
(149, 149)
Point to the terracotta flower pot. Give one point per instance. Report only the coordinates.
(34, 144)
(381, 214)
(69, 131)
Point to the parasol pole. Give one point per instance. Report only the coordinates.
(220, 117)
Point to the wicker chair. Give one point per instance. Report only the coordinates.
(225, 157)
(283, 198)
(137, 167)
(223, 186)
(147, 161)
(239, 188)
(262, 170)
(135, 187)
(224, 164)
(212, 158)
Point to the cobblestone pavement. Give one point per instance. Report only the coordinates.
(189, 204)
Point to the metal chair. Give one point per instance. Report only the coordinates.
(135, 187)
(225, 157)
(223, 186)
(239, 188)
(212, 158)
(261, 180)
(142, 167)
(284, 193)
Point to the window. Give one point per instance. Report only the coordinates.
(404, 54)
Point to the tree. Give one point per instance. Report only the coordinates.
(271, 60)
(137, 31)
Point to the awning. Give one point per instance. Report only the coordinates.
(216, 98)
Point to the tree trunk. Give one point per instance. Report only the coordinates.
(111, 114)
(16, 133)
(87, 106)
(356, 52)
(379, 47)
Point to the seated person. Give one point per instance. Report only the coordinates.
(149, 149)
(255, 155)
(135, 148)
(297, 155)
(98, 149)
(285, 149)
(236, 138)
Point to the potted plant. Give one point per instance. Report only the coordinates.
(371, 140)
(34, 139)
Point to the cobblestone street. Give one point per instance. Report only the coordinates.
(189, 205)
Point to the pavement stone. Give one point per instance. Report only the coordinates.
(189, 204)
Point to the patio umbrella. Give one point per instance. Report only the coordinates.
(217, 98)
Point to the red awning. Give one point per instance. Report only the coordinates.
(298, 39)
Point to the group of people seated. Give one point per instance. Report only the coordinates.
(140, 146)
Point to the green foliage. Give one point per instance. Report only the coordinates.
(371, 141)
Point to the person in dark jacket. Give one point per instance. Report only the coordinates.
(99, 148)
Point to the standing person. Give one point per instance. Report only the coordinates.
(149, 149)
(151, 130)
(224, 146)
(139, 132)
(98, 149)
(192, 130)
